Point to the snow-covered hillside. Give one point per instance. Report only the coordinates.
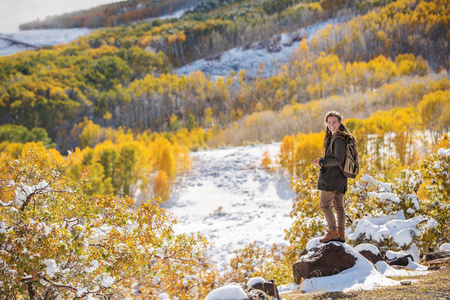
(233, 201)
(238, 58)
(39, 38)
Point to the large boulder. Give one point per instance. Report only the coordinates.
(322, 260)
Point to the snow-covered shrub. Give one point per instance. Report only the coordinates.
(434, 197)
(60, 242)
(411, 213)
(380, 212)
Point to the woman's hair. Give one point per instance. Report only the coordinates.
(329, 134)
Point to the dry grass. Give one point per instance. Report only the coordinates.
(435, 285)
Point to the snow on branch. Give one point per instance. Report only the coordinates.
(385, 196)
(25, 193)
(383, 186)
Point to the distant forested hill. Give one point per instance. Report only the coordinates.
(111, 14)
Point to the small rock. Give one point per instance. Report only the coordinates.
(405, 282)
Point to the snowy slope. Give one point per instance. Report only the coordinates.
(238, 59)
(39, 38)
(255, 203)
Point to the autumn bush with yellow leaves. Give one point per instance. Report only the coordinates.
(59, 241)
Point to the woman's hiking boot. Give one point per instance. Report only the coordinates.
(342, 236)
(330, 236)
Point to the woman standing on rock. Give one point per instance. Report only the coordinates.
(332, 182)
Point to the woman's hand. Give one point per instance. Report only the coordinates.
(316, 162)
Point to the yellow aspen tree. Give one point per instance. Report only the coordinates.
(286, 155)
(434, 112)
(161, 187)
(167, 162)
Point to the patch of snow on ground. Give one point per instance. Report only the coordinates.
(39, 38)
(228, 292)
(445, 247)
(238, 59)
(233, 201)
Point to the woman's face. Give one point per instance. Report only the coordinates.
(333, 124)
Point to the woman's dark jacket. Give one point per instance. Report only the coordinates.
(331, 177)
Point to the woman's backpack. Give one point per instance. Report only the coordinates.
(350, 167)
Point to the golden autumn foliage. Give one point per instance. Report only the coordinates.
(394, 29)
(119, 162)
(388, 132)
(120, 75)
(126, 165)
(161, 187)
(60, 242)
(297, 153)
(434, 110)
(267, 162)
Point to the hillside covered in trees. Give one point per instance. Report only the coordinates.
(122, 76)
(105, 117)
